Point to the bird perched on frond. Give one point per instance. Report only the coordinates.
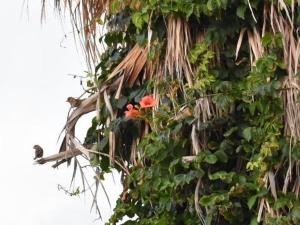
(74, 102)
(38, 152)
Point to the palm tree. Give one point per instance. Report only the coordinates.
(219, 143)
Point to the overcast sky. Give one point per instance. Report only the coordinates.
(34, 86)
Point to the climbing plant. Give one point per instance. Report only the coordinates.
(197, 106)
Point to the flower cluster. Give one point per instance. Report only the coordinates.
(132, 112)
(146, 102)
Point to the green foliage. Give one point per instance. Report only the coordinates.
(244, 141)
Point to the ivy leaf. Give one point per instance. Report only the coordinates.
(102, 143)
(222, 156)
(141, 39)
(121, 102)
(276, 85)
(173, 164)
(230, 131)
(281, 202)
(223, 101)
(152, 2)
(240, 12)
(251, 201)
(211, 159)
(222, 175)
(296, 152)
(177, 128)
(211, 200)
(115, 6)
(187, 9)
(252, 108)
(267, 39)
(254, 221)
(138, 20)
(278, 41)
(296, 214)
(247, 133)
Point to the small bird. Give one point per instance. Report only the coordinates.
(38, 152)
(74, 102)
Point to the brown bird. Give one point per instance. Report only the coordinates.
(38, 152)
(74, 102)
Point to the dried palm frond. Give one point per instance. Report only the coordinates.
(203, 112)
(279, 24)
(281, 4)
(112, 136)
(197, 206)
(255, 44)
(98, 181)
(178, 45)
(129, 68)
(149, 70)
(79, 149)
(133, 154)
(196, 146)
(84, 16)
(288, 176)
(131, 65)
(188, 159)
(296, 187)
(127, 71)
(59, 156)
(275, 22)
(239, 43)
(260, 209)
(88, 105)
(264, 206)
(290, 93)
(250, 7)
(272, 184)
(291, 44)
(291, 87)
(290, 84)
(183, 113)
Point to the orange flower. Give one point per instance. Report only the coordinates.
(132, 113)
(148, 102)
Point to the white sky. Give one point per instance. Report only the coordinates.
(34, 87)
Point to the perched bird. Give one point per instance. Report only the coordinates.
(38, 152)
(74, 102)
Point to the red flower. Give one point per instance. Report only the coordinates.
(148, 101)
(132, 113)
